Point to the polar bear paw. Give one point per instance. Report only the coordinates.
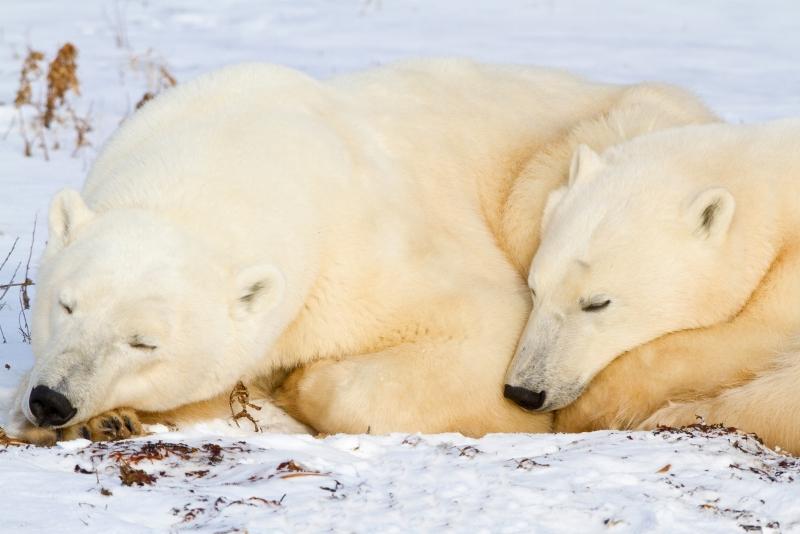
(113, 425)
(109, 426)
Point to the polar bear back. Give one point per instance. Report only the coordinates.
(265, 147)
(426, 106)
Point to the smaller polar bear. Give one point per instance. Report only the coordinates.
(369, 230)
(696, 231)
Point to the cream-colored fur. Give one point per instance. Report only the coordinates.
(326, 394)
(694, 364)
(730, 283)
(257, 219)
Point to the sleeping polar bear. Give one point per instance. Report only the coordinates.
(372, 229)
(689, 238)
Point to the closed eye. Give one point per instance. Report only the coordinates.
(595, 306)
(66, 308)
(136, 343)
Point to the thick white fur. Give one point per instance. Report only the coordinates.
(377, 224)
(693, 230)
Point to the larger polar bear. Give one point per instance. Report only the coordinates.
(694, 230)
(376, 224)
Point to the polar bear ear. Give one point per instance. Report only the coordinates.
(585, 162)
(68, 212)
(710, 213)
(258, 289)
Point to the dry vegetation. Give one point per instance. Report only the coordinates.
(62, 78)
(156, 74)
(241, 396)
(148, 65)
(6, 441)
(21, 284)
(45, 100)
(48, 95)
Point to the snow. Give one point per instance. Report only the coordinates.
(667, 482)
(741, 57)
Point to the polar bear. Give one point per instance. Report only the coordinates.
(362, 228)
(695, 231)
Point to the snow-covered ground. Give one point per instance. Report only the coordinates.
(742, 57)
(670, 482)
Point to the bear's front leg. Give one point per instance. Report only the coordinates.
(766, 405)
(28, 433)
(109, 426)
(116, 424)
(678, 414)
(122, 423)
(429, 387)
(622, 395)
(315, 395)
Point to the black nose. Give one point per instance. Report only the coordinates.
(50, 408)
(530, 400)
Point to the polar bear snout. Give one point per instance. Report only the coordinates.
(525, 398)
(49, 407)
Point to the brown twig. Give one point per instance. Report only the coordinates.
(27, 282)
(6, 440)
(11, 284)
(82, 126)
(119, 25)
(28, 151)
(13, 246)
(156, 73)
(241, 395)
(24, 327)
(24, 297)
(26, 301)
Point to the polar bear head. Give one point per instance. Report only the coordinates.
(132, 311)
(640, 243)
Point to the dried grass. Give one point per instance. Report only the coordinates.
(118, 22)
(62, 77)
(47, 98)
(130, 476)
(157, 76)
(23, 296)
(30, 73)
(46, 101)
(148, 65)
